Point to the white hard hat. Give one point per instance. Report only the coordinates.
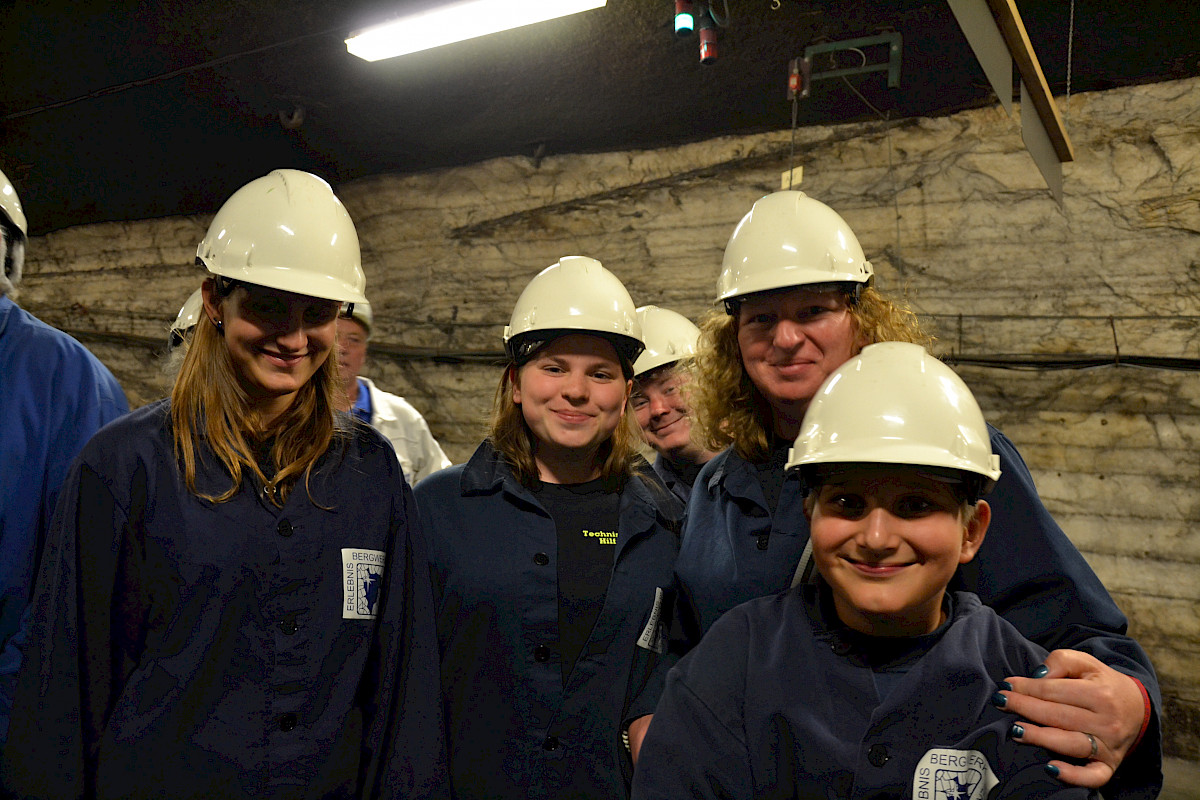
(789, 239)
(669, 337)
(577, 294)
(10, 206)
(895, 403)
(12, 217)
(186, 319)
(287, 231)
(361, 313)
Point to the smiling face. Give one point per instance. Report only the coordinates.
(888, 539)
(790, 341)
(352, 350)
(657, 402)
(572, 395)
(277, 340)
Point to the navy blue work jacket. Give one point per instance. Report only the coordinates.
(672, 479)
(183, 648)
(54, 394)
(779, 701)
(734, 550)
(513, 730)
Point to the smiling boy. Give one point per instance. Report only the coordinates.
(875, 681)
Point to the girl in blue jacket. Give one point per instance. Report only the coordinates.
(234, 600)
(551, 556)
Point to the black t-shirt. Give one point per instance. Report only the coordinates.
(586, 518)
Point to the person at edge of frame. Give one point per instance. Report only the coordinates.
(54, 395)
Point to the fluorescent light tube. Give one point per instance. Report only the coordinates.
(457, 22)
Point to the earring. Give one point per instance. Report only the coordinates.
(220, 325)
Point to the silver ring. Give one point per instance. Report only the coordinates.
(1095, 748)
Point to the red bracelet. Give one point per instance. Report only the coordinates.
(1146, 715)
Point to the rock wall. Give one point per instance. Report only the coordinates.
(951, 211)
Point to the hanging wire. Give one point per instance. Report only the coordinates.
(1070, 51)
(163, 76)
(722, 22)
(887, 130)
(792, 148)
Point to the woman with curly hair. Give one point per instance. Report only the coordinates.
(799, 302)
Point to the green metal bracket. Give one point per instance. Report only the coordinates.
(893, 40)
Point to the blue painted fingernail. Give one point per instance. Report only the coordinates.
(1005, 685)
(999, 700)
(1041, 671)
(1017, 732)
(1052, 770)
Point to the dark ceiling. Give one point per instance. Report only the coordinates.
(126, 110)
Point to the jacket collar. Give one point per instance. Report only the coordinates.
(383, 411)
(732, 474)
(486, 472)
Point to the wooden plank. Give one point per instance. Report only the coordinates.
(1013, 30)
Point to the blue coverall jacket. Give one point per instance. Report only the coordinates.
(780, 701)
(189, 649)
(54, 394)
(733, 550)
(513, 730)
(671, 479)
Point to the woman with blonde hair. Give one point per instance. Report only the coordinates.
(551, 555)
(798, 296)
(235, 600)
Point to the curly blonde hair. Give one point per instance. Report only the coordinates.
(730, 410)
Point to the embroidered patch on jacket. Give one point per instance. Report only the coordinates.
(944, 774)
(652, 637)
(362, 582)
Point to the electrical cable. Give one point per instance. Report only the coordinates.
(1050, 363)
(121, 87)
(1070, 51)
(722, 23)
(792, 147)
(1027, 362)
(887, 130)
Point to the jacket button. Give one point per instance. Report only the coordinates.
(541, 653)
(551, 743)
(840, 646)
(284, 527)
(541, 559)
(288, 626)
(287, 722)
(878, 755)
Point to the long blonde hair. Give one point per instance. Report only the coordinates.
(208, 403)
(511, 436)
(730, 410)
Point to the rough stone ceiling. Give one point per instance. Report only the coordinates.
(120, 110)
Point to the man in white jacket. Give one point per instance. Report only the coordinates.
(392, 415)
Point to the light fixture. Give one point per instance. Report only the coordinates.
(685, 21)
(456, 22)
(708, 36)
